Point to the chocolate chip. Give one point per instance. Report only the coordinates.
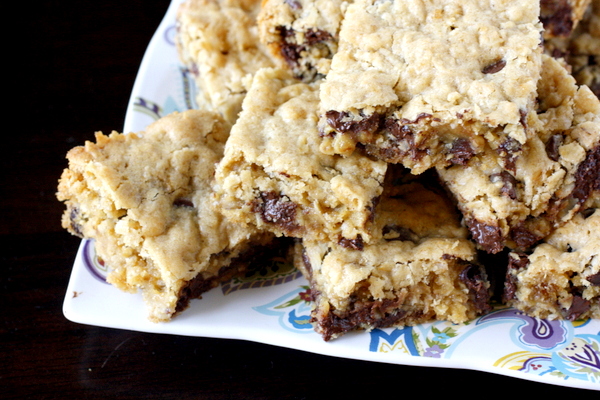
(508, 151)
(510, 283)
(276, 209)
(461, 151)
(76, 228)
(489, 237)
(371, 209)
(523, 237)
(510, 288)
(594, 279)
(509, 147)
(398, 131)
(578, 307)
(316, 35)
(587, 177)
(509, 184)
(523, 117)
(376, 313)
(289, 51)
(285, 32)
(181, 202)
(519, 262)
(472, 277)
(553, 145)
(588, 212)
(555, 16)
(307, 263)
(368, 125)
(494, 67)
(354, 244)
(292, 52)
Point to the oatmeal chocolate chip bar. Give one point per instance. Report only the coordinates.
(421, 268)
(146, 201)
(428, 82)
(560, 17)
(273, 176)
(302, 34)
(581, 49)
(217, 40)
(517, 202)
(560, 279)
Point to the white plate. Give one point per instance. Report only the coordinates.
(271, 309)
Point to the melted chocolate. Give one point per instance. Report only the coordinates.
(378, 314)
(461, 151)
(472, 277)
(367, 125)
(523, 237)
(256, 256)
(489, 237)
(276, 209)
(578, 307)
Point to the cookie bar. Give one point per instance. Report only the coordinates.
(584, 50)
(428, 83)
(217, 40)
(273, 176)
(560, 17)
(146, 201)
(516, 203)
(581, 49)
(560, 279)
(421, 268)
(302, 34)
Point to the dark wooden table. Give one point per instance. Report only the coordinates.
(75, 71)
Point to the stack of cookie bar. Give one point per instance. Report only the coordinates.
(146, 200)
(402, 145)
